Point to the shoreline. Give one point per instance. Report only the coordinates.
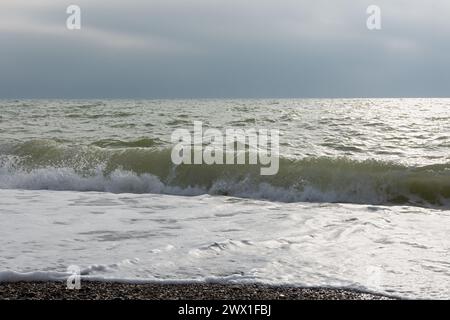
(92, 290)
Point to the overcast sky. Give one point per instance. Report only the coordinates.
(224, 49)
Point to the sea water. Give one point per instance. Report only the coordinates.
(361, 199)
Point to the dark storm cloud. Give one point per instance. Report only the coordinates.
(224, 48)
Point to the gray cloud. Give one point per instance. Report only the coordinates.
(223, 48)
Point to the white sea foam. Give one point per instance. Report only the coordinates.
(12, 276)
(119, 181)
(401, 186)
(173, 239)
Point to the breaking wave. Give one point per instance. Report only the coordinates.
(43, 164)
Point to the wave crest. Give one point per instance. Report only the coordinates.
(49, 165)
